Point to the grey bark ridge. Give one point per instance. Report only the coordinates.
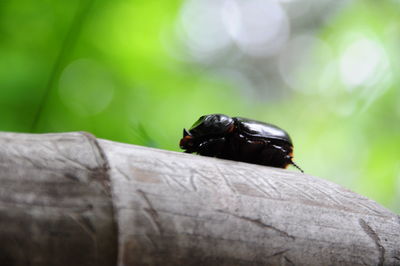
(55, 201)
(72, 199)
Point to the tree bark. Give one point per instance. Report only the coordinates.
(72, 199)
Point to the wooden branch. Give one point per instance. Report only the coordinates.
(72, 199)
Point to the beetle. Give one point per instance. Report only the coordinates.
(239, 139)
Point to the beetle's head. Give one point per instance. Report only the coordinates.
(212, 125)
(188, 142)
(207, 126)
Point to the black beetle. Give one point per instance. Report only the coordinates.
(239, 139)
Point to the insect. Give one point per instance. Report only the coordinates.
(239, 139)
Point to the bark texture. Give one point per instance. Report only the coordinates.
(72, 199)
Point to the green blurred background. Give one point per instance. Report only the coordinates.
(139, 71)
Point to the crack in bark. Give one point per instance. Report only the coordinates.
(100, 172)
(175, 181)
(261, 224)
(374, 236)
(272, 186)
(328, 195)
(104, 160)
(258, 188)
(289, 261)
(193, 184)
(202, 176)
(66, 160)
(123, 173)
(369, 208)
(151, 212)
(278, 253)
(88, 228)
(226, 180)
(71, 176)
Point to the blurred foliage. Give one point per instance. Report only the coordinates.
(118, 70)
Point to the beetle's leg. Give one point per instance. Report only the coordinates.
(273, 155)
(211, 147)
(249, 150)
(266, 154)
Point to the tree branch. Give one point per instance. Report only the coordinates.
(72, 199)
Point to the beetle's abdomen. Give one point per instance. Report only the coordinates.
(257, 150)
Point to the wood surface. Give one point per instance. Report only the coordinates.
(72, 199)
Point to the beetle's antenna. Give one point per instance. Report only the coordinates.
(289, 160)
(295, 165)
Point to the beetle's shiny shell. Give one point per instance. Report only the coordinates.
(262, 130)
(239, 139)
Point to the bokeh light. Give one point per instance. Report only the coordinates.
(363, 63)
(259, 28)
(202, 27)
(85, 87)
